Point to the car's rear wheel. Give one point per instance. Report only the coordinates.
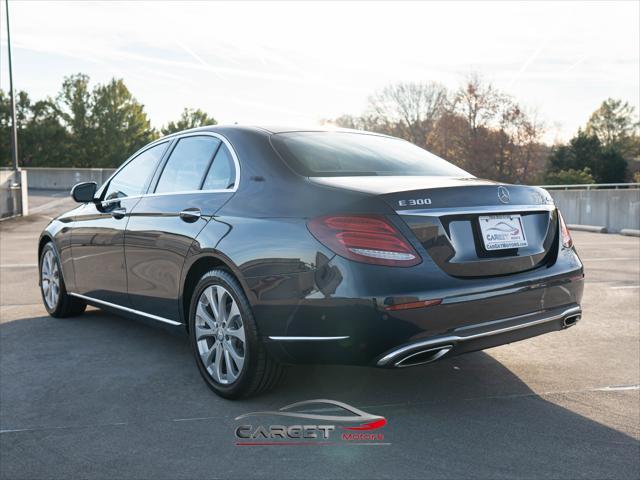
(54, 293)
(228, 351)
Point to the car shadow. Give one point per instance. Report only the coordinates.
(468, 416)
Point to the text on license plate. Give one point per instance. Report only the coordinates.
(502, 231)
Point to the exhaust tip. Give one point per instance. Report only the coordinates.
(570, 321)
(421, 357)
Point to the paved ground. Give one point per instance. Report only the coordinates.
(103, 397)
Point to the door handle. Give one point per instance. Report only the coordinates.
(118, 213)
(190, 215)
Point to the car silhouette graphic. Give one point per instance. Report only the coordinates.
(367, 421)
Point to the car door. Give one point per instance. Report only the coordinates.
(97, 238)
(198, 177)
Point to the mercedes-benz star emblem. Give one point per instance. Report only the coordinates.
(503, 194)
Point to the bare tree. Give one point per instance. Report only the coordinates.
(413, 108)
(370, 123)
(492, 120)
(532, 151)
(480, 129)
(478, 102)
(509, 118)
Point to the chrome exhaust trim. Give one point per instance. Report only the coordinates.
(430, 355)
(569, 317)
(571, 320)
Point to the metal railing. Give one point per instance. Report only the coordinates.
(592, 186)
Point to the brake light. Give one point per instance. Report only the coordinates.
(567, 241)
(364, 238)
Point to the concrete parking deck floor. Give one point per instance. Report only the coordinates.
(99, 396)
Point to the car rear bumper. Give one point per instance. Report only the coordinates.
(480, 336)
(361, 331)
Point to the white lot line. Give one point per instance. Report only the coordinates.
(48, 205)
(19, 265)
(624, 287)
(19, 304)
(620, 388)
(17, 430)
(609, 259)
(610, 388)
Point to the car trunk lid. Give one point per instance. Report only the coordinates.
(445, 214)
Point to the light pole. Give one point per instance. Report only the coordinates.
(14, 128)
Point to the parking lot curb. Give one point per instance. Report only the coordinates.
(588, 228)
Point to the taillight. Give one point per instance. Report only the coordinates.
(567, 242)
(364, 238)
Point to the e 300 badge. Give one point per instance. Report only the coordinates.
(414, 202)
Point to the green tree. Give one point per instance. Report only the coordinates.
(582, 151)
(82, 127)
(615, 125)
(74, 105)
(585, 151)
(610, 166)
(5, 129)
(569, 177)
(42, 139)
(119, 125)
(189, 118)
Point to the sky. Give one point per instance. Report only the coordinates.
(297, 63)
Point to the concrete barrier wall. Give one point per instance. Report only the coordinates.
(65, 178)
(13, 193)
(613, 209)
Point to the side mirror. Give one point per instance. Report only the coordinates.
(84, 192)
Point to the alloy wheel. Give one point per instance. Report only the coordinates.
(50, 278)
(220, 334)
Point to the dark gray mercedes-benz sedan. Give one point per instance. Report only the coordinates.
(275, 245)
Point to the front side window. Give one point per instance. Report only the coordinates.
(133, 177)
(321, 154)
(187, 165)
(222, 174)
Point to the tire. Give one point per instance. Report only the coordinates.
(216, 339)
(58, 303)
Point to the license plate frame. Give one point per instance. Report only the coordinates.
(502, 232)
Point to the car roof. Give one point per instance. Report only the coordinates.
(270, 129)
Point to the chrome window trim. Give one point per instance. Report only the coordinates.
(440, 212)
(132, 157)
(126, 309)
(177, 138)
(305, 339)
(145, 195)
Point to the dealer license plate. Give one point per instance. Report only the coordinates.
(500, 232)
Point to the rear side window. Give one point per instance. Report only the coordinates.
(321, 154)
(222, 174)
(132, 179)
(187, 165)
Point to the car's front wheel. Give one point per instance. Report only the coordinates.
(54, 292)
(228, 351)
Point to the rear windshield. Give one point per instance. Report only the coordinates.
(324, 154)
